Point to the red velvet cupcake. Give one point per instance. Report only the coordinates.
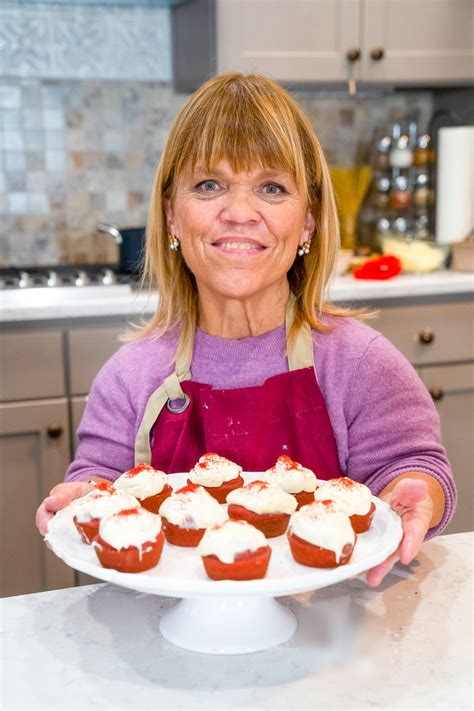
(218, 475)
(102, 500)
(150, 486)
(292, 477)
(235, 550)
(130, 541)
(266, 507)
(187, 513)
(321, 535)
(353, 498)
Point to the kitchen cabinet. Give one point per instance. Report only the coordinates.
(34, 451)
(307, 41)
(39, 414)
(452, 389)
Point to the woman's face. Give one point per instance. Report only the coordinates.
(239, 232)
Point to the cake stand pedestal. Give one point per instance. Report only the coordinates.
(228, 625)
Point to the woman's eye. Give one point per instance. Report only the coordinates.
(208, 186)
(273, 189)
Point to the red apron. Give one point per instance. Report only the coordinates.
(252, 426)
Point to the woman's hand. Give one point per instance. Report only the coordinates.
(60, 496)
(410, 498)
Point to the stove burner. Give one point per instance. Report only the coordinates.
(78, 275)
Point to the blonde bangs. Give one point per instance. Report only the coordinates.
(246, 128)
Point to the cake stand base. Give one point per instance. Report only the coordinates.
(228, 625)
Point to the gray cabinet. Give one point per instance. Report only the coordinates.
(438, 341)
(396, 41)
(424, 41)
(297, 40)
(452, 389)
(34, 452)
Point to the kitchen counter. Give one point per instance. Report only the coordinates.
(405, 645)
(32, 305)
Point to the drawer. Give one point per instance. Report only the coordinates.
(32, 366)
(89, 349)
(430, 334)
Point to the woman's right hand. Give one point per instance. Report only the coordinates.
(60, 496)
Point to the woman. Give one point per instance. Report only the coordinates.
(244, 357)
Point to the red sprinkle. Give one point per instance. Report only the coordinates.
(287, 462)
(257, 485)
(190, 488)
(139, 468)
(128, 512)
(105, 486)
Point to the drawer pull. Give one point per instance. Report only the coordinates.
(426, 336)
(437, 393)
(55, 430)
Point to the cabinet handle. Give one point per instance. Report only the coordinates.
(54, 430)
(377, 54)
(426, 336)
(436, 393)
(353, 55)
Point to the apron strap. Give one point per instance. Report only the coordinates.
(300, 356)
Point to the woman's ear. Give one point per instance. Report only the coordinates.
(309, 227)
(169, 212)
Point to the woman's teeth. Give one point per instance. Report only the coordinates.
(238, 245)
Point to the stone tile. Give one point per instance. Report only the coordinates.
(14, 160)
(11, 119)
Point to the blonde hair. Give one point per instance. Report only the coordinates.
(246, 120)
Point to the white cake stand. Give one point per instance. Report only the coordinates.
(228, 617)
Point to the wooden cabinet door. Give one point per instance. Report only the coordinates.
(452, 388)
(291, 40)
(78, 405)
(421, 40)
(89, 349)
(34, 454)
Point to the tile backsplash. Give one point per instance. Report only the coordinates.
(85, 108)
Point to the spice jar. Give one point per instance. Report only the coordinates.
(381, 193)
(422, 153)
(421, 195)
(381, 161)
(401, 155)
(400, 195)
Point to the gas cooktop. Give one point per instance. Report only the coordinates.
(71, 275)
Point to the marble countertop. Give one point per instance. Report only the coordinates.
(405, 645)
(90, 302)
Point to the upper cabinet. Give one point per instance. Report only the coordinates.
(327, 41)
(291, 40)
(425, 41)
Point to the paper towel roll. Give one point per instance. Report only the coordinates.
(455, 184)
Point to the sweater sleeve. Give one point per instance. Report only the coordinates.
(107, 430)
(393, 426)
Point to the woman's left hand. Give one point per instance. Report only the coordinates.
(411, 500)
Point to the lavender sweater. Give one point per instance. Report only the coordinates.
(383, 418)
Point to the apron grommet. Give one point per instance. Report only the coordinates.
(181, 408)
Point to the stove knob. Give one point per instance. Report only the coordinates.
(24, 280)
(81, 278)
(108, 277)
(52, 279)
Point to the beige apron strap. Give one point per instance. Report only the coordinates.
(301, 354)
(169, 390)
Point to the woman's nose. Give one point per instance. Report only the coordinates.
(240, 207)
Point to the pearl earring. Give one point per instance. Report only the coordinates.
(173, 242)
(304, 249)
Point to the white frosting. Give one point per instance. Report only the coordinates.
(262, 498)
(134, 529)
(214, 470)
(230, 539)
(142, 481)
(323, 525)
(101, 502)
(290, 476)
(192, 509)
(353, 498)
